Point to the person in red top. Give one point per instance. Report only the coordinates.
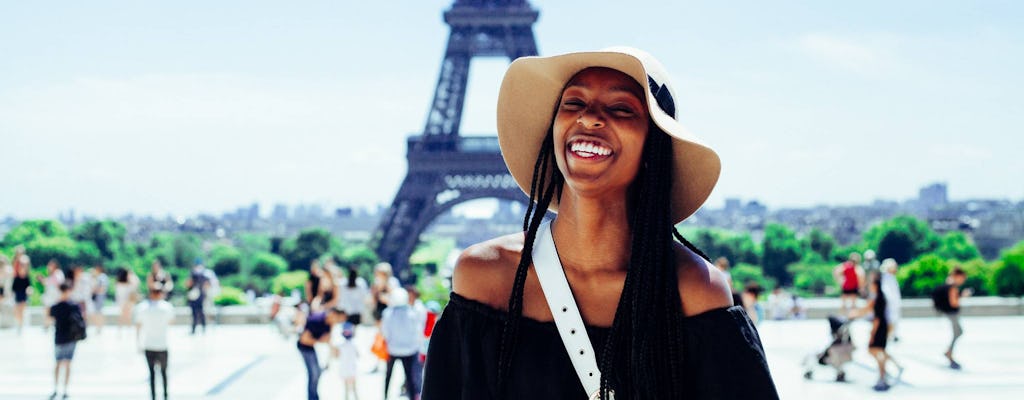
(850, 276)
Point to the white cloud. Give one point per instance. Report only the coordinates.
(867, 56)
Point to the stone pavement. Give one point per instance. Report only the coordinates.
(254, 362)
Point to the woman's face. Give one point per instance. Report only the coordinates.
(599, 131)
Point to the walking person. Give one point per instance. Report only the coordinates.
(850, 276)
(644, 314)
(153, 317)
(402, 326)
(894, 300)
(126, 289)
(101, 284)
(51, 289)
(316, 329)
(946, 299)
(21, 285)
(348, 359)
(877, 306)
(69, 330)
(198, 285)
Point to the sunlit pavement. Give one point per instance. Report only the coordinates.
(255, 362)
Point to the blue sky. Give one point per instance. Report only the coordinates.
(188, 106)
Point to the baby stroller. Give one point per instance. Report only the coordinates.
(838, 353)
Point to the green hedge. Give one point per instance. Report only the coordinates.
(229, 296)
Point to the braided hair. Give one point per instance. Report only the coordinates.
(646, 331)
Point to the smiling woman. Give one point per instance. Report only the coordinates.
(577, 308)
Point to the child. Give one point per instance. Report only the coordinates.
(348, 359)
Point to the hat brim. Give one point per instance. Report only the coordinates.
(526, 104)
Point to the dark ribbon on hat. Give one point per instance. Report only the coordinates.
(662, 96)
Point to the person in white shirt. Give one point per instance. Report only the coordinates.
(153, 318)
(891, 288)
(352, 296)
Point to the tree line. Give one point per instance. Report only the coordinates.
(805, 262)
(272, 264)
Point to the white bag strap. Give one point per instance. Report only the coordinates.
(566, 313)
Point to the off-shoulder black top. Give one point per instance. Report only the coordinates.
(723, 357)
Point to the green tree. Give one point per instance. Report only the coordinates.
(957, 246)
(923, 275)
(107, 236)
(268, 265)
(737, 248)
(309, 245)
(902, 238)
(747, 274)
(812, 279)
(30, 230)
(288, 281)
(979, 276)
(820, 244)
(1008, 278)
(780, 249)
(226, 260)
(66, 251)
(187, 248)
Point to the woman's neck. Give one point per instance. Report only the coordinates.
(592, 235)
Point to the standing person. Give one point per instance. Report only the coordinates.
(316, 329)
(6, 281)
(51, 289)
(21, 285)
(352, 296)
(153, 317)
(870, 263)
(751, 304)
(198, 285)
(593, 136)
(82, 290)
(402, 326)
(383, 284)
(878, 305)
(850, 276)
(159, 279)
(894, 300)
(101, 284)
(328, 291)
(946, 298)
(126, 289)
(723, 265)
(69, 329)
(313, 284)
(348, 359)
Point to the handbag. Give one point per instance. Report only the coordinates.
(565, 312)
(379, 347)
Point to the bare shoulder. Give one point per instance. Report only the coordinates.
(702, 286)
(485, 271)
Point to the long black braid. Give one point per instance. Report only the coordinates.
(647, 329)
(532, 221)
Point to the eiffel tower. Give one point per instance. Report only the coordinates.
(446, 169)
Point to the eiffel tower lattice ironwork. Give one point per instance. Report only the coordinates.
(446, 169)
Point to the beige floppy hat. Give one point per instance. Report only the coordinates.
(530, 92)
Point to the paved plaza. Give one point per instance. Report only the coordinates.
(254, 362)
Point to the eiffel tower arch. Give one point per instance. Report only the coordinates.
(446, 169)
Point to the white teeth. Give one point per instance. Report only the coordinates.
(591, 148)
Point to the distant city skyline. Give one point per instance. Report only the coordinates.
(182, 108)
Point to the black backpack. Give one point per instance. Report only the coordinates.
(940, 299)
(77, 327)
